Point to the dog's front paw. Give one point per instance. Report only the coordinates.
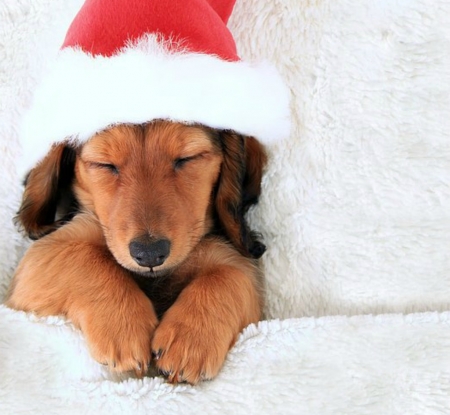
(189, 347)
(120, 337)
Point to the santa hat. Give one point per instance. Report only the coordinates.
(133, 61)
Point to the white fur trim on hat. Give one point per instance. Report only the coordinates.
(84, 94)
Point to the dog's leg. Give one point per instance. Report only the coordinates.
(71, 272)
(196, 333)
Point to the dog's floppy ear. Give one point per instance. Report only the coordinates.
(238, 188)
(48, 190)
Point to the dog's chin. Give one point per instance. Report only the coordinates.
(152, 273)
(155, 272)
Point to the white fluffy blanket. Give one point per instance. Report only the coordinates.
(330, 365)
(356, 213)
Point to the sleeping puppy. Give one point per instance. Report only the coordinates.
(141, 241)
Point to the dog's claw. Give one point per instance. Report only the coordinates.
(204, 377)
(176, 377)
(156, 355)
(165, 373)
(180, 378)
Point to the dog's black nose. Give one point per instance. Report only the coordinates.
(149, 252)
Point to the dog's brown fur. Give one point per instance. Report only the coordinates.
(190, 185)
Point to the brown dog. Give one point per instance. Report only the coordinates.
(151, 251)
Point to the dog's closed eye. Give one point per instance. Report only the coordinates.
(107, 166)
(181, 161)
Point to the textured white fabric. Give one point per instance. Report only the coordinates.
(332, 365)
(356, 205)
(355, 211)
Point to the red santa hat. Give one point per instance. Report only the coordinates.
(133, 61)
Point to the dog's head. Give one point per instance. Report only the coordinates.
(156, 189)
